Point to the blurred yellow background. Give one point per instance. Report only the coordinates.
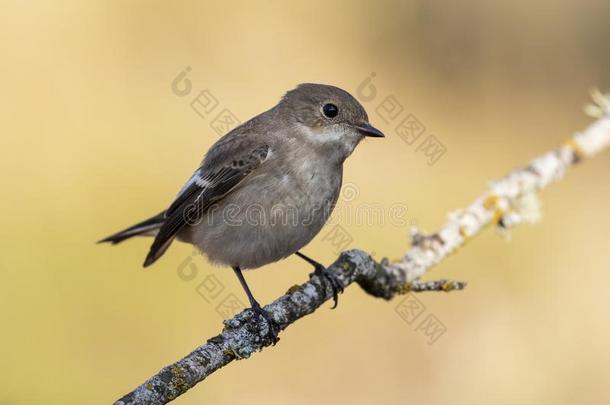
(93, 140)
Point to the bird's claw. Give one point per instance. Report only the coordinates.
(273, 326)
(323, 273)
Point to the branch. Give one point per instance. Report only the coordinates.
(507, 203)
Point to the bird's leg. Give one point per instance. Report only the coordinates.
(324, 274)
(274, 328)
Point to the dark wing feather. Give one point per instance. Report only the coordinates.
(209, 184)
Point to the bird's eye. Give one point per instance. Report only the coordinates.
(330, 110)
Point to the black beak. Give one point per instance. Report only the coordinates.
(368, 130)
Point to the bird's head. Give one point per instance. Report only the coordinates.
(327, 117)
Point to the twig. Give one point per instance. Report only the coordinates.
(506, 203)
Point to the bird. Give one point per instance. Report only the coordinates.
(265, 189)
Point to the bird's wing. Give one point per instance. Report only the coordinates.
(210, 183)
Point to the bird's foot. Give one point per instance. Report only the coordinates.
(325, 275)
(273, 328)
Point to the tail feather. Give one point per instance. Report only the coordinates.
(144, 228)
(157, 251)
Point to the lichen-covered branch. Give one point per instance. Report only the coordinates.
(508, 202)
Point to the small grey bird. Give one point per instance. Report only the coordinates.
(265, 189)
